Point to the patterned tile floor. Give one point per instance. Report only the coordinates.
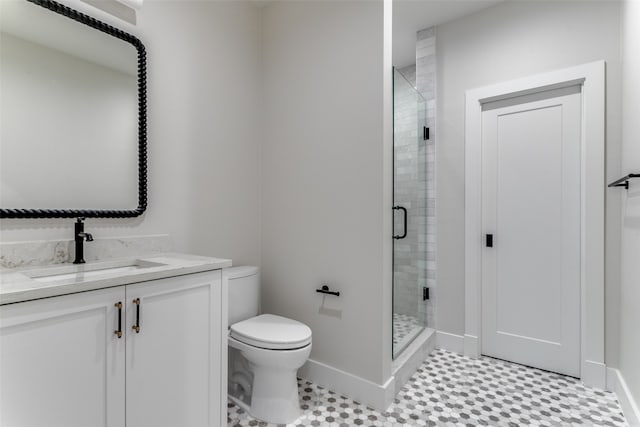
(452, 390)
(405, 328)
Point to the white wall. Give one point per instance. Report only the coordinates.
(204, 151)
(630, 286)
(324, 217)
(508, 41)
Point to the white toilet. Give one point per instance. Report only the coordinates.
(265, 352)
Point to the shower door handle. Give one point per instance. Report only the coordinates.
(404, 212)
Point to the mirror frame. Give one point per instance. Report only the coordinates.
(142, 125)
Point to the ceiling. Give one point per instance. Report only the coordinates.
(410, 16)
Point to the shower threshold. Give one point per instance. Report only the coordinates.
(405, 329)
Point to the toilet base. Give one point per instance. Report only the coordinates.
(274, 389)
(275, 395)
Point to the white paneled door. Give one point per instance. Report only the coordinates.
(531, 220)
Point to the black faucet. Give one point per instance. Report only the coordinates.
(80, 237)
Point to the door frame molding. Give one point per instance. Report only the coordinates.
(591, 77)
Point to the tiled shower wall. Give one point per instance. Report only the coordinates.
(414, 175)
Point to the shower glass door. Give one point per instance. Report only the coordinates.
(410, 213)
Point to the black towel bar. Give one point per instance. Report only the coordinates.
(624, 181)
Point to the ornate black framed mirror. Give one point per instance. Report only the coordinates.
(73, 115)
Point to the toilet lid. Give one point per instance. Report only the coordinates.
(272, 332)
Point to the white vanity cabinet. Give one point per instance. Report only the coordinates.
(175, 370)
(62, 363)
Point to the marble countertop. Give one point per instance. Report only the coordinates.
(29, 283)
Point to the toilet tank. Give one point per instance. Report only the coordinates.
(244, 293)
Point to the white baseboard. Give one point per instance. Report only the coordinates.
(377, 396)
(450, 342)
(594, 374)
(617, 384)
(471, 346)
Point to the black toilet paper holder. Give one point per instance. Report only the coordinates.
(325, 290)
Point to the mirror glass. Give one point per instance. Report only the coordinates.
(68, 113)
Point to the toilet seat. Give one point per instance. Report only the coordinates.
(272, 332)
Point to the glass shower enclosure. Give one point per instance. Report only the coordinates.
(409, 213)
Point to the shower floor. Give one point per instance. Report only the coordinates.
(405, 329)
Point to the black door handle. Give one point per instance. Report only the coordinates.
(489, 240)
(404, 211)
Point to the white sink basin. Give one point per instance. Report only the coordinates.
(90, 271)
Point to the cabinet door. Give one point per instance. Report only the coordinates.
(61, 363)
(174, 369)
